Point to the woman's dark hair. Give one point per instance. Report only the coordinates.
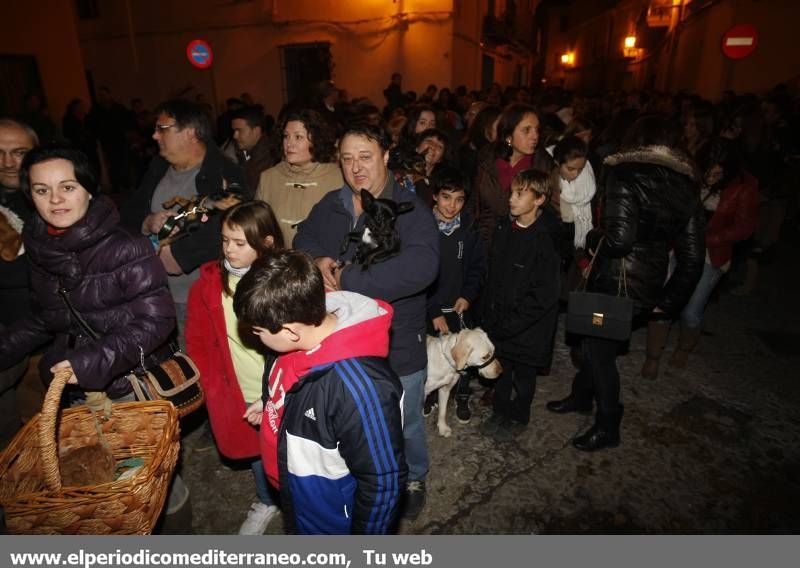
(84, 172)
(568, 149)
(409, 132)
(509, 120)
(578, 124)
(483, 121)
(653, 130)
(722, 152)
(703, 115)
(433, 133)
(257, 221)
(320, 134)
(281, 287)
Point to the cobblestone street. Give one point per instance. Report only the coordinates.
(710, 449)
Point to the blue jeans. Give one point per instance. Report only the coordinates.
(262, 485)
(692, 314)
(416, 445)
(260, 477)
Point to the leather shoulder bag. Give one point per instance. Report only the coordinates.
(175, 379)
(601, 315)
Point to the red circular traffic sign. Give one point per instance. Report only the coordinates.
(199, 53)
(740, 41)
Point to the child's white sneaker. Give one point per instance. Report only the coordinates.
(258, 518)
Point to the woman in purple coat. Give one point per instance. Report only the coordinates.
(79, 253)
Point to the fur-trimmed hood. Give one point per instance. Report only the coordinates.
(657, 155)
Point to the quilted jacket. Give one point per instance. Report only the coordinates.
(114, 280)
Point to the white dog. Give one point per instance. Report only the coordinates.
(449, 356)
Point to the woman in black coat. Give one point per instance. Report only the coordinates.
(651, 205)
(112, 278)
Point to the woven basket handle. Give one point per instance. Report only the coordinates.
(47, 429)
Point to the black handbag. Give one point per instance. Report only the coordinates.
(175, 379)
(601, 315)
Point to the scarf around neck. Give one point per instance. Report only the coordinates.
(238, 272)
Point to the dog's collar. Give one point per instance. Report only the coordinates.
(462, 372)
(485, 364)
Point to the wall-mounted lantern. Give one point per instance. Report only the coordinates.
(629, 48)
(568, 59)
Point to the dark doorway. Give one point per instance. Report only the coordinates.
(20, 75)
(487, 72)
(304, 67)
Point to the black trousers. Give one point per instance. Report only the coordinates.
(522, 379)
(598, 378)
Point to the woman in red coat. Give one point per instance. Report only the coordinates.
(730, 199)
(230, 360)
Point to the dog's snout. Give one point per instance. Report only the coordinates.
(491, 371)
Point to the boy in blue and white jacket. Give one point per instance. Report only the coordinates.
(330, 418)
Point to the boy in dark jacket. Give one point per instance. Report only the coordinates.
(462, 272)
(521, 300)
(332, 437)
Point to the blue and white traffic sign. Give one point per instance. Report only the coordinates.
(199, 53)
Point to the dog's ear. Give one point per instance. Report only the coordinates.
(460, 352)
(367, 200)
(404, 207)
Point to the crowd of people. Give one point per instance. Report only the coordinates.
(309, 359)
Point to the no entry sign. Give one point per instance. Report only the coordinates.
(199, 54)
(740, 41)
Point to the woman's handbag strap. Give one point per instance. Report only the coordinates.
(622, 279)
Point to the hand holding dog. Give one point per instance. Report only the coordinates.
(327, 266)
(152, 223)
(440, 325)
(461, 306)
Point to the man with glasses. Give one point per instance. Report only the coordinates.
(16, 139)
(188, 164)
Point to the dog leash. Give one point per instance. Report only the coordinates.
(461, 321)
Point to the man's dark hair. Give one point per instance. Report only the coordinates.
(188, 115)
(370, 132)
(252, 115)
(320, 134)
(449, 179)
(281, 287)
(84, 172)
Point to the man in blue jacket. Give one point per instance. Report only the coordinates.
(401, 280)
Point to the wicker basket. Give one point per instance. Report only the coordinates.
(30, 481)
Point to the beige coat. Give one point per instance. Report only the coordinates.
(292, 191)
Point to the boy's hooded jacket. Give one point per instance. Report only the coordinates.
(333, 415)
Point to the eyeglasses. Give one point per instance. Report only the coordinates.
(164, 127)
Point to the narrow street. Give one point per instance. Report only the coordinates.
(707, 450)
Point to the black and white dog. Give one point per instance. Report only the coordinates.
(379, 239)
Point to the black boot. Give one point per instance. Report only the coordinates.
(604, 433)
(569, 404)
